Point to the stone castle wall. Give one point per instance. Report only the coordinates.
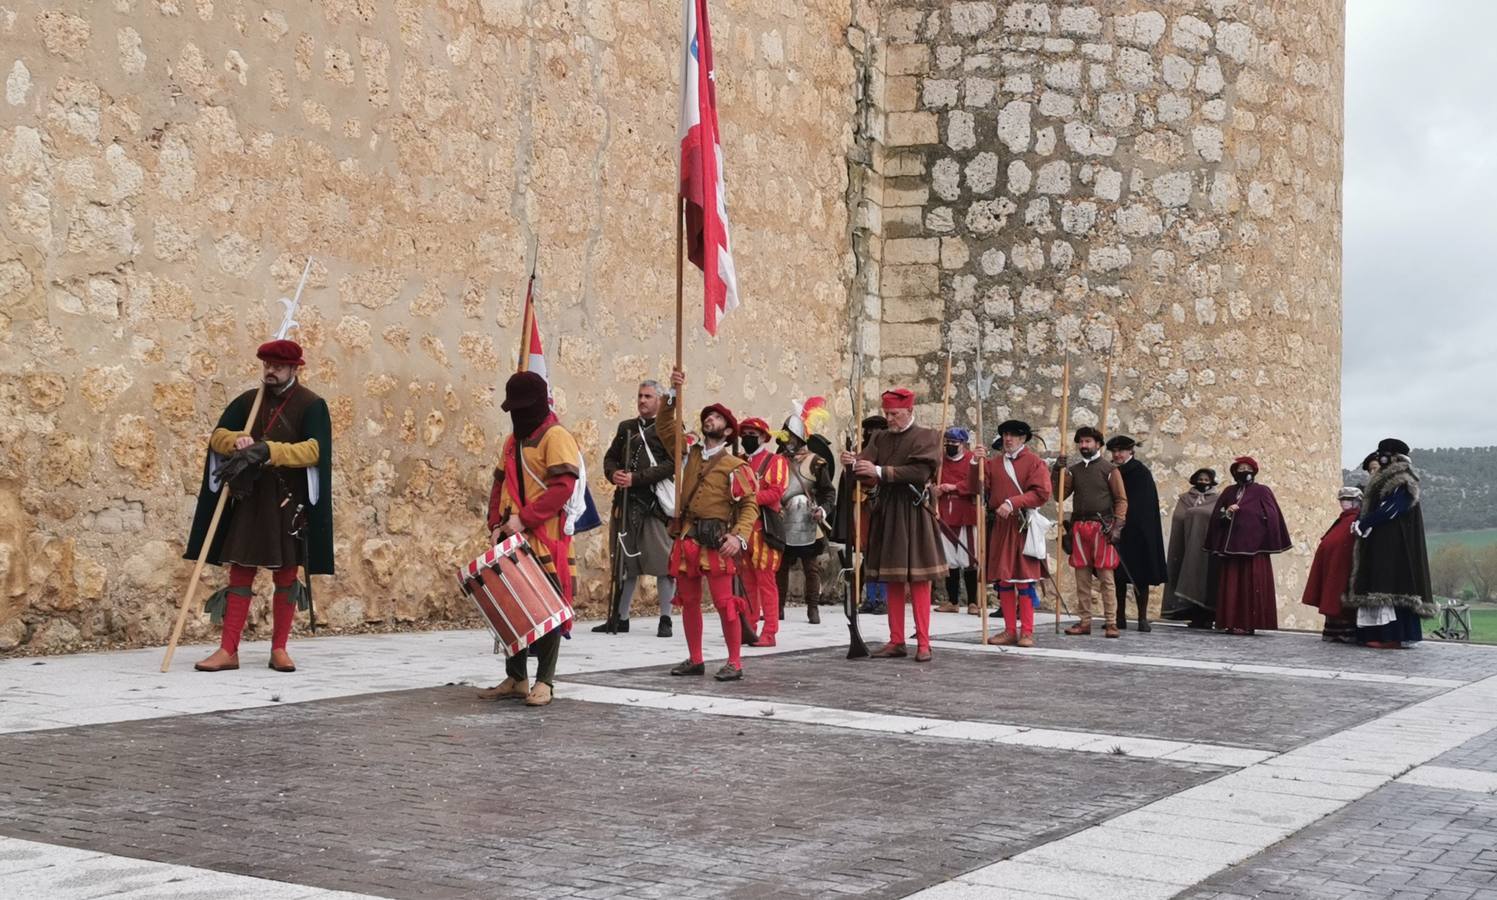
(1164, 175)
(166, 166)
(1166, 172)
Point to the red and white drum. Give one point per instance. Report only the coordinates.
(515, 596)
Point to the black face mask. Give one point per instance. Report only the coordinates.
(954, 451)
(1242, 477)
(750, 444)
(1202, 487)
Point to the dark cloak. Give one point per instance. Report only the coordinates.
(1142, 544)
(316, 423)
(1330, 571)
(1391, 565)
(1257, 526)
(1192, 581)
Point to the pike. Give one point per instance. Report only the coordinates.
(288, 322)
(856, 649)
(982, 386)
(1060, 492)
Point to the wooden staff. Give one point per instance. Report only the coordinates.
(1107, 385)
(527, 323)
(946, 402)
(1060, 492)
(197, 570)
(982, 498)
(680, 207)
(856, 637)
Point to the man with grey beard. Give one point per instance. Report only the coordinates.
(641, 471)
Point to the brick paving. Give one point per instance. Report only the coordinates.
(432, 793)
(1479, 754)
(1403, 842)
(1433, 659)
(1258, 711)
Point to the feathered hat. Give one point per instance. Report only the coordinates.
(807, 418)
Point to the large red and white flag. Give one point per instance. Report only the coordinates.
(707, 243)
(532, 357)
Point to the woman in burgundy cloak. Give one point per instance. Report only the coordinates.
(1246, 529)
(1330, 572)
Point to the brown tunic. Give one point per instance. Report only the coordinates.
(904, 543)
(260, 525)
(727, 493)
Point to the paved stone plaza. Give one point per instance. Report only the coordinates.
(1172, 763)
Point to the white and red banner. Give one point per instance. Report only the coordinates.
(532, 357)
(707, 243)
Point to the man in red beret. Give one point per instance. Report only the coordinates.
(904, 542)
(279, 472)
(761, 565)
(716, 512)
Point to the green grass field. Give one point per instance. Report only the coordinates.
(1484, 625)
(1470, 538)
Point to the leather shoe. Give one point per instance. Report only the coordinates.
(947, 608)
(508, 689)
(689, 668)
(764, 640)
(1086, 628)
(728, 673)
(665, 629)
(280, 660)
(1004, 639)
(1026, 641)
(890, 651)
(922, 654)
(218, 661)
(1111, 631)
(813, 615)
(540, 695)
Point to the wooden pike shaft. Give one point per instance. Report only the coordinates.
(1107, 385)
(982, 500)
(857, 490)
(197, 570)
(1060, 493)
(680, 207)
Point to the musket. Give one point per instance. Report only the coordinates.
(856, 649)
(288, 321)
(620, 515)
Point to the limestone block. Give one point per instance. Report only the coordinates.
(915, 339)
(938, 93)
(1019, 177)
(1079, 20)
(1190, 33)
(17, 84)
(1235, 39)
(56, 636)
(979, 92)
(1064, 75)
(133, 447)
(988, 217)
(961, 131)
(1027, 17)
(1057, 105)
(1172, 188)
(982, 173)
(1054, 177)
(1141, 29)
(907, 59)
(1209, 79)
(910, 281)
(914, 309)
(154, 567)
(64, 34)
(1177, 72)
(906, 251)
(1013, 126)
(954, 253)
(908, 129)
(972, 18)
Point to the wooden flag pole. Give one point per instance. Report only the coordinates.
(1060, 492)
(680, 207)
(946, 403)
(527, 324)
(982, 498)
(197, 570)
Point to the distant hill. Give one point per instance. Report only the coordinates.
(1459, 487)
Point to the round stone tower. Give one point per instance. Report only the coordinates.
(1156, 181)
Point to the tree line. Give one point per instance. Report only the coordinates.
(1458, 487)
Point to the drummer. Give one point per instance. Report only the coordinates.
(530, 494)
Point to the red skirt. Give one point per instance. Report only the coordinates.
(1245, 593)
(1090, 548)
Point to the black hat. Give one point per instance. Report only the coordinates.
(1209, 473)
(1121, 442)
(1393, 446)
(875, 423)
(1014, 426)
(1087, 431)
(1367, 463)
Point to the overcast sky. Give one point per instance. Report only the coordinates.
(1420, 354)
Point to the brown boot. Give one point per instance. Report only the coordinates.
(813, 615)
(280, 660)
(1084, 628)
(1111, 631)
(890, 651)
(508, 689)
(1004, 639)
(1026, 641)
(540, 695)
(219, 660)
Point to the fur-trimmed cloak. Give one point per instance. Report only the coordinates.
(1390, 565)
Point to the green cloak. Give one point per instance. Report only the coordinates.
(316, 423)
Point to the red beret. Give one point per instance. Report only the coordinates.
(899, 398)
(755, 423)
(1246, 461)
(724, 412)
(285, 353)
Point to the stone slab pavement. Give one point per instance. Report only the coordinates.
(1159, 765)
